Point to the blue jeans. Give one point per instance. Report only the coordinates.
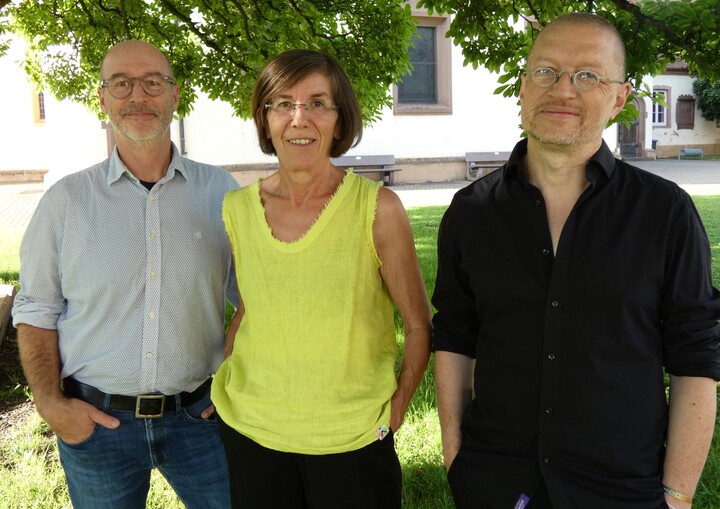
(111, 468)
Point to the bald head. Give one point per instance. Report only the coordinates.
(590, 21)
(135, 54)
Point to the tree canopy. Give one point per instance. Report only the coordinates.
(708, 97)
(656, 32)
(218, 46)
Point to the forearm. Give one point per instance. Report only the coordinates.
(453, 385)
(233, 327)
(691, 423)
(40, 358)
(71, 419)
(416, 353)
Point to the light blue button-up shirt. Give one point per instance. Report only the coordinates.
(133, 280)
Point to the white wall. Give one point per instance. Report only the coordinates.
(214, 135)
(704, 133)
(19, 135)
(70, 139)
(481, 121)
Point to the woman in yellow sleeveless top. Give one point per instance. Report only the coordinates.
(307, 396)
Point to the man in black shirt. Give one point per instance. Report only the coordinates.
(567, 280)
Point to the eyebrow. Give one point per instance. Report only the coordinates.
(554, 64)
(312, 96)
(126, 75)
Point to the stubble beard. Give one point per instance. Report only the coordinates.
(126, 129)
(558, 141)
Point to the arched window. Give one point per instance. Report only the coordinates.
(39, 107)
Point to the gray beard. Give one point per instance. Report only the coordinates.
(131, 135)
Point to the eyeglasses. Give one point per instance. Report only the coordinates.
(153, 85)
(316, 107)
(545, 77)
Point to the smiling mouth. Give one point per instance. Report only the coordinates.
(554, 109)
(140, 114)
(301, 141)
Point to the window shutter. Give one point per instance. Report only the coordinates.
(685, 112)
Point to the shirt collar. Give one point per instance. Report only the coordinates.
(117, 168)
(601, 163)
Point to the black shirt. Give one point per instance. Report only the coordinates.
(570, 348)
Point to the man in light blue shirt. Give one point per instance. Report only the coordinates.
(124, 272)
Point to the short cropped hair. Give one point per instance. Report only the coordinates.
(589, 19)
(137, 42)
(288, 69)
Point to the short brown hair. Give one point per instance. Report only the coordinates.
(288, 69)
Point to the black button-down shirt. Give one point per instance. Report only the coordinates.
(570, 348)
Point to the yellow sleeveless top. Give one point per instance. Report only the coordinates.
(313, 365)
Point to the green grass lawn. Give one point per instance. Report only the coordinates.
(9, 249)
(31, 477)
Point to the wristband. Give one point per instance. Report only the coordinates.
(677, 495)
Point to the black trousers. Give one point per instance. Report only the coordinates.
(468, 493)
(261, 478)
(469, 496)
(473, 487)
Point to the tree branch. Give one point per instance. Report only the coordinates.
(83, 6)
(124, 15)
(669, 34)
(207, 41)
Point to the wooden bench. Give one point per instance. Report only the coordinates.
(369, 164)
(690, 152)
(476, 161)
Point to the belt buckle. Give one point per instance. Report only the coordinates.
(141, 414)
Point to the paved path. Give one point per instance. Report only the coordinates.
(18, 201)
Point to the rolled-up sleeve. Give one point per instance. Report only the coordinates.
(691, 305)
(455, 325)
(40, 300)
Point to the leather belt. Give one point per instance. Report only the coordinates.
(145, 406)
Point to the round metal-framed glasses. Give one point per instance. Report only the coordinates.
(545, 77)
(153, 85)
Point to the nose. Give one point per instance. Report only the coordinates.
(564, 85)
(299, 114)
(137, 92)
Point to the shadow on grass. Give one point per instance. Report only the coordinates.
(425, 487)
(14, 396)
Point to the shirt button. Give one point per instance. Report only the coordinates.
(546, 460)
(151, 314)
(150, 198)
(554, 303)
(153, 273)
(548, 409)
(538, 203)
(152, 235)
(149, 355)
(551, 356)
(546, 252)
